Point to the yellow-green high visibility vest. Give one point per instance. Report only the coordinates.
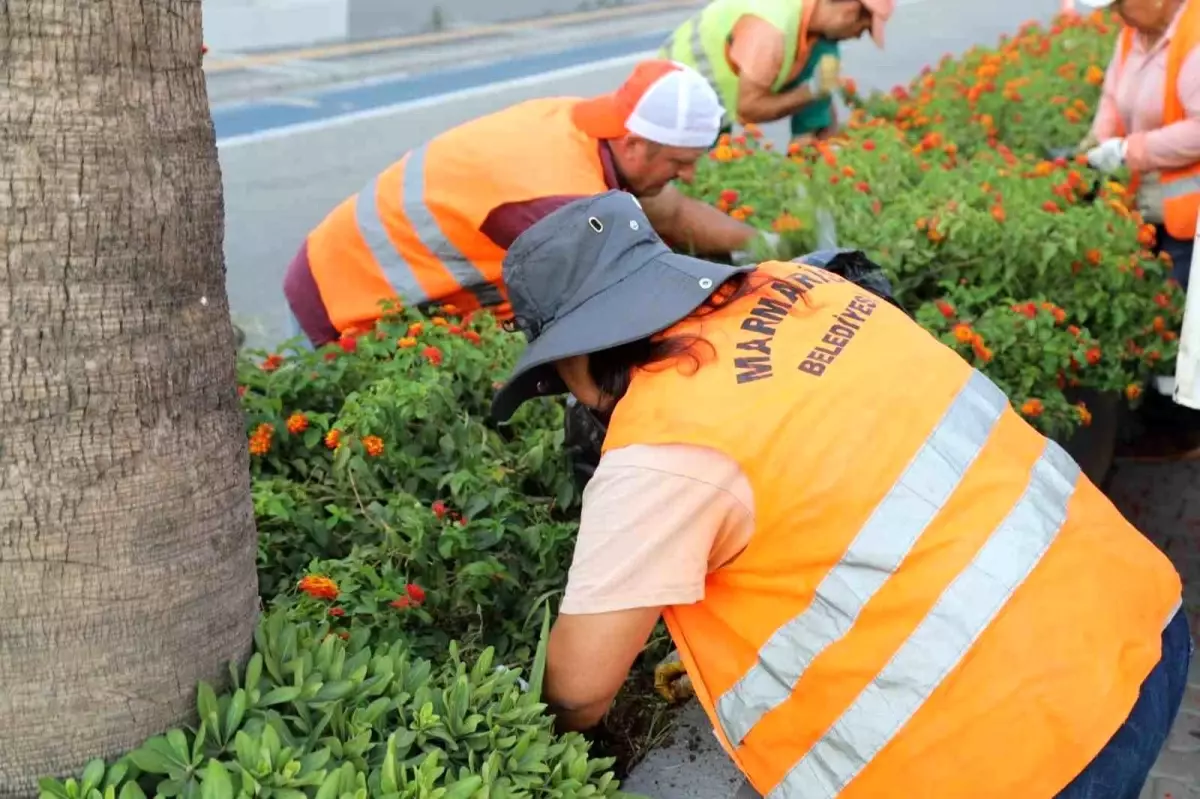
(700, 42)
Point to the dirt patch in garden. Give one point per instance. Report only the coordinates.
(639, 722)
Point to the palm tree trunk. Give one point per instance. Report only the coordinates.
(127, 541)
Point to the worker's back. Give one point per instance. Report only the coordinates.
(414, 230)
(922, 559)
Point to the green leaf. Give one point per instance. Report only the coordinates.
(281, 694)
(155, 756)
(93, 774)
(49, 788)
(131, 790)
(538, 673)
(216, 782)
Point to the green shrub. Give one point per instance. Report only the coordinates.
(316, 715)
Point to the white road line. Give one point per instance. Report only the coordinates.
(426, 102)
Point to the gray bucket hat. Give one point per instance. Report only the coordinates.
(591, 276)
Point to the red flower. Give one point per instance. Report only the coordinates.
(1093, 356)
(272, 362)
(1162, 300)
(433, 355)
(415, 592)
(337, 612)
(729, 196)
(401, 603)
(348, 343)
(241, 391)
(862, 186)
(297, 423)
(868, 145)
(472, 337)
(439, 509)
(946, 309)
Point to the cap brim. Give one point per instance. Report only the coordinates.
(600, 117)
(662, 292)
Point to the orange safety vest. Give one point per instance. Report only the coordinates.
(935, 602)
(1181, 187)
(413, 231)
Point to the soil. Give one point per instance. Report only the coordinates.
(639, 721)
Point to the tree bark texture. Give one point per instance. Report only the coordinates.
(127, 540)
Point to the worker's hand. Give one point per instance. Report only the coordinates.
(828, 76)
(1089, 141)
(671, 679)
(1108, 156)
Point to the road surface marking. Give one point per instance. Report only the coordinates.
(353, 117)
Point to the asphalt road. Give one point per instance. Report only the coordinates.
(297, 137)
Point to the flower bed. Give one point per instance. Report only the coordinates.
(408, 548)
(1037, 271)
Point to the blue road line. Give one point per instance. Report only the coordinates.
(256, 117)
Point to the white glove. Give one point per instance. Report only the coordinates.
(762, 247)
(1108, 156)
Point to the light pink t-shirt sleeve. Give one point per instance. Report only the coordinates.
(1106, 125)
(656, 520)
(1176, 145)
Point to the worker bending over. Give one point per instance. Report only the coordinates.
(434, 226)
(770, 59)
(882, 581)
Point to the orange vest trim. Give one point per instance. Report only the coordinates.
(1181, 187)
(413, 232)
(935, 602)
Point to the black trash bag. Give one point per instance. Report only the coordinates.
(583, 436)
(855, 266)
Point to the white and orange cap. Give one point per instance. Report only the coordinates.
(881, 12)
(662, 101)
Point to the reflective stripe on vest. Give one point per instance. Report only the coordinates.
(396, 268)
(1181, 187)
(703, 65)
(873, 557)
(935, 647)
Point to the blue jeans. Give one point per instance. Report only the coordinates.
(1180, 251)
(1123, 765)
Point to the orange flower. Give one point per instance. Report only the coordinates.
(1133, 391)
(415, 329)
(1094, 75)
(472, 337)
(1085, 416)
(438, 321)
(981, 351)
(373, 445)
(406, 342)
(450, 309)
(785, 222)
(260, 439)
(945, 309)
(271, 363)
(998, 213)
(1093, 257)
(1093, 356)
(333, 438)
(297, 423)
(963, 333)
(319, 587)
(1032, 408)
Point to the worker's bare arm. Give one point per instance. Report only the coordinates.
(692, 224)
(588, 659)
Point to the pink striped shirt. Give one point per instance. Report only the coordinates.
(1136, 98)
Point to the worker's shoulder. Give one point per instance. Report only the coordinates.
(689, 462)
